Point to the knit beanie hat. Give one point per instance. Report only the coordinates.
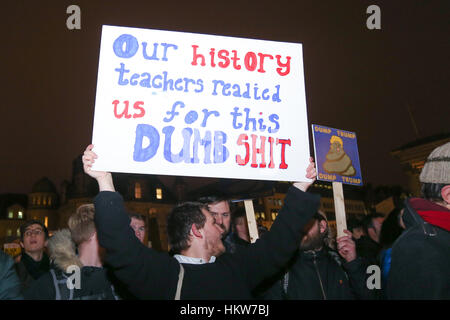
(437, 166)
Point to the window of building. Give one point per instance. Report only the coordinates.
(20, 215)
(274, 215)
(137, 191)
(8, 232)
(10, 215)
(49, 201)
(159, 193)
(46, 222)
(38, 201)
(44, 201)
(34, 200)
(263, 215)
(18, 232)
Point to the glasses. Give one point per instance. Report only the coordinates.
(36, 232)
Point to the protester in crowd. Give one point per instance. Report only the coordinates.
(390, 231)
(240, 226)
(9, 282)
(138, 224)
(60, 283)
(239, 236)
(33, 262)
(195, 272)
(420, 256)
(318, 272)
(368, 245)
(355, 227)
(220, 208)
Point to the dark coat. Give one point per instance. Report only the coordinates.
(322, 275)
(95, 284)
(420, 266)
(154, 275)
(29, 270)
(368, 250)
(9, 282)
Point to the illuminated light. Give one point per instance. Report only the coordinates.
(137, 191)
(46, 222)
(159, 193)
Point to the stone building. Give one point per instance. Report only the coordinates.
(412, 157)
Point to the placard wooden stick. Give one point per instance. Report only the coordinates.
(252, 227)
(339, 208)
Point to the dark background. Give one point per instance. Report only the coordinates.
(356, 79)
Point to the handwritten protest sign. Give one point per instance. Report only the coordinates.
(179, 103)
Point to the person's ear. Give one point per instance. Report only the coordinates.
(322, 226)
(196, 232)
(445, 193)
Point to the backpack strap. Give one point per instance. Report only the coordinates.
(180, 283)
(55, 283)
(62, 291)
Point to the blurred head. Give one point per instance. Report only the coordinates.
(220, 208)
(435, 176)
(81, 224)
(355, 227)
(391, 228)
(138, 225)
(315, 232)
(240, 225)
(190, 223)
(371, 224)
(33, 236)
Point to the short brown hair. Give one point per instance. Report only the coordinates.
(81, 223)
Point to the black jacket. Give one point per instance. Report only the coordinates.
(95, 284)
(29, 270)
(154, 275)
(420, 267)
(368, 250)
(322, 275)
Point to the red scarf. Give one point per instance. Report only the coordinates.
(432, 213)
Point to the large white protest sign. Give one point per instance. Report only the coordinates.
(186, 104)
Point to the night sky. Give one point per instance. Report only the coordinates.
(356, 79)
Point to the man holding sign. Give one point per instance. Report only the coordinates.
(195, 272)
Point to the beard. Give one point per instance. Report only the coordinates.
(313, 242)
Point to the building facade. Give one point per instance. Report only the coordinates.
(412, 157)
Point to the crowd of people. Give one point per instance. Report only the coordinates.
(101, 254)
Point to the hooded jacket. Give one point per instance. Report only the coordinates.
(94, 281)
(421, 255)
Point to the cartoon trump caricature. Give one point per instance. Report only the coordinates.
(337, 160)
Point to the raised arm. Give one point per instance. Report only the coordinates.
(141, 269)
(269, 254)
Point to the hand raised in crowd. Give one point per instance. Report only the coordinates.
(346, 247)
(310, 174)
(103, 178)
